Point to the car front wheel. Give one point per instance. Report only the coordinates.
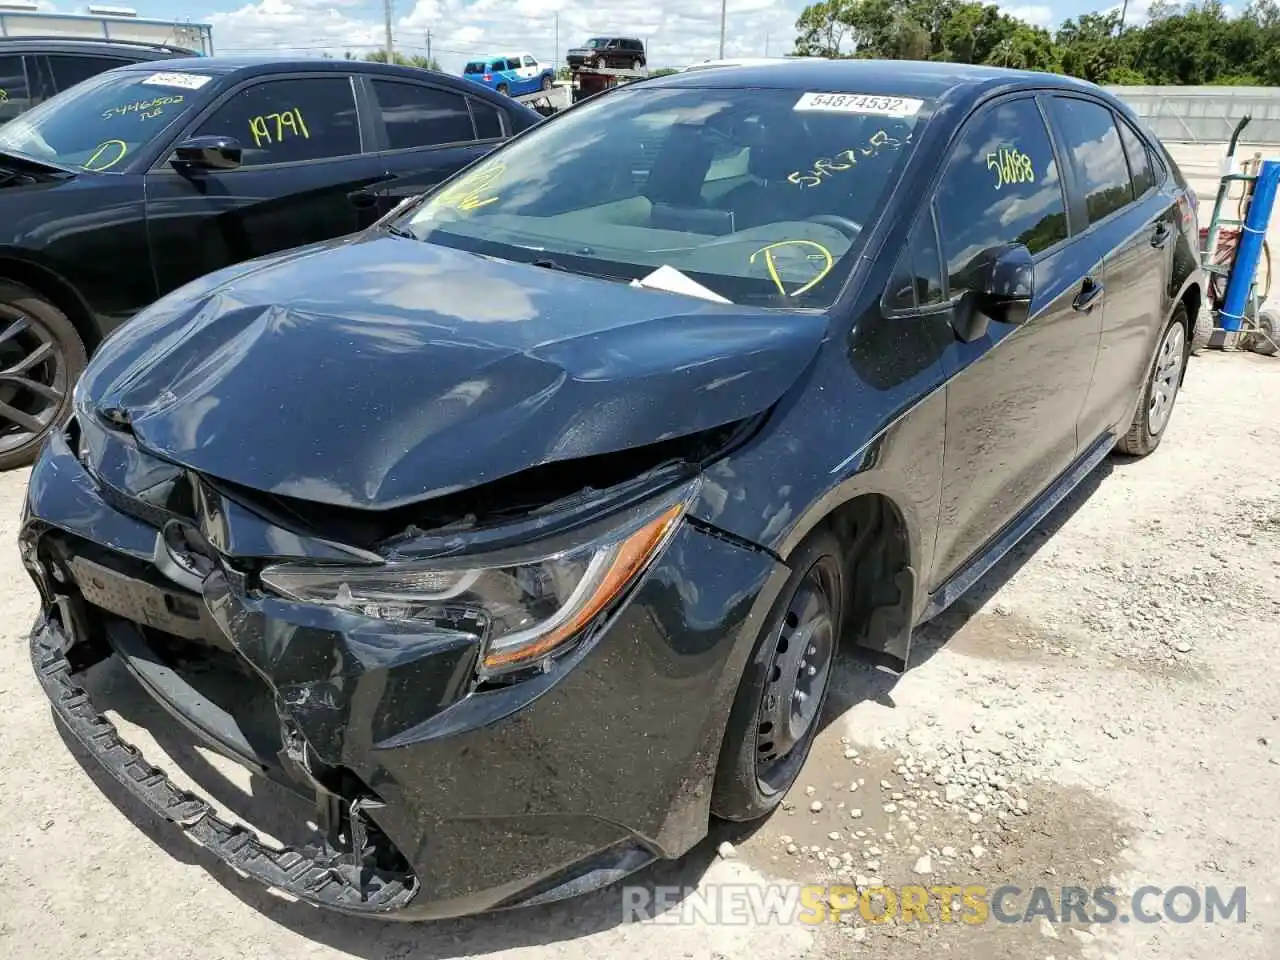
(1160, 390)
(778, 708)
(41, 355)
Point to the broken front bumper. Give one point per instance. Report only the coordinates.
(437, 797)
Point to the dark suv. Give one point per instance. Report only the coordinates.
(618, 53)
(33, 69)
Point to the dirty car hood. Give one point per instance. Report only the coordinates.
(377, 371)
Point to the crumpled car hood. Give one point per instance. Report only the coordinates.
(377, 371)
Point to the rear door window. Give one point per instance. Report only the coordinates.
(15, 95)
(70, 70)
(290, 121)
(1139, 157)
(1001, 186)
(417, 116)
(1096, 154)
(488, 122)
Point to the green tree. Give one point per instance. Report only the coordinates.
(1192, 43)
(380, 56)
(823, 29)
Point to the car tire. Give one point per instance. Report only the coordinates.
(637, 64)
(760, 759)
(1160, 389)
(35, 394)
(503, 89)
(547, 83)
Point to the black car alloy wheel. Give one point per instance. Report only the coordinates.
(40, 358)
(797, 677)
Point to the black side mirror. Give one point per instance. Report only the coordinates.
(207, 153)
(1004, 280)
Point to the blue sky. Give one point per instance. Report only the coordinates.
(678, 31)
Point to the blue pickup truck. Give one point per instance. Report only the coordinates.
(513, 74)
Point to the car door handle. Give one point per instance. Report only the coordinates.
(1088, 296)
(362, 199)
(1161, 234)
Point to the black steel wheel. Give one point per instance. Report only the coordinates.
(778, 708)
(41, 355)
(503, 89)
(546, 83)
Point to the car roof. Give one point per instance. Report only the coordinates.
(907, 78)
(97, 47)
(263, 65)
(746, 62)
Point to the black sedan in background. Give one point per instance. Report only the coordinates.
(518, 533)
(150, 175)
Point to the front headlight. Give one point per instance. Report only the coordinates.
(521, 608)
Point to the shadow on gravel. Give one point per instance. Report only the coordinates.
(281, 814)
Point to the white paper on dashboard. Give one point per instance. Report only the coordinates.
(673, 281)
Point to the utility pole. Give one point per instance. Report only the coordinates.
(557, 60)
(723, 9)
(391, 52)
(766, 43)
(1124, 8)
(429, 60)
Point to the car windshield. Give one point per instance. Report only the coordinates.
(592, 44)
(95, 125)
(757, 196)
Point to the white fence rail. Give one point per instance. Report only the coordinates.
(1206, 114)
(180, 33)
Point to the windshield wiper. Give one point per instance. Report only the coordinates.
(401, 232)
(548, 264)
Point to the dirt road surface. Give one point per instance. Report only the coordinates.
(1103, 708)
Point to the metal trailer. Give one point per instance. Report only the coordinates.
(585, 82)
(1235, 313)
(588, 81)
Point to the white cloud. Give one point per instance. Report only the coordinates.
(1035, 14)
(1136, 12)
(677, 31)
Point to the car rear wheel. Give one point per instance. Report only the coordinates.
(546, 83)
(503, 89)
(777, 711)
(41, 355)
(1160, 391)
(637, 64)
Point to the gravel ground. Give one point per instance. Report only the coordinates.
(1101, 709)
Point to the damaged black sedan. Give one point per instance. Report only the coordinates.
(519, 532)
